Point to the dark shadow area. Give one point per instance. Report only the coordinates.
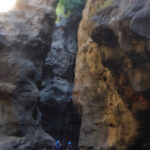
(143, 140)
(62, 121)
(104, 36)
(146, 94)
(137, 59)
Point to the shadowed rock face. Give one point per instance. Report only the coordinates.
(60, 118)
(112, 75)
(25, 35)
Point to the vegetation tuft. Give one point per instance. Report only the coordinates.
(68, 8)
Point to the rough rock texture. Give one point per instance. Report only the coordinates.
(24, 41)
(60, 118)
(112, 75)
(59, 64)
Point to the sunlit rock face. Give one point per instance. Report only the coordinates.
(112, 75)
(25, 35)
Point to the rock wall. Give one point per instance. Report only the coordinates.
(112, 75)
(59, 117)
(25, 35)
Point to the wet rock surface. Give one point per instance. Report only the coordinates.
(112, 75)
(25, 35)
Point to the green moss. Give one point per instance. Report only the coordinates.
(67, 8)
(59, 12)
(106, 4)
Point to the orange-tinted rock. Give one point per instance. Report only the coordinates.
(112, 76)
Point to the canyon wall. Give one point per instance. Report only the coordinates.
(112, 75)
(25, 36)
(60, 117)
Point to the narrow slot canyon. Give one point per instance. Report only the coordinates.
(75, 75)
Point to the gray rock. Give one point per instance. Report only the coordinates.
(60, 61)
(25, 34)
(140, 23)
(60, 119)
